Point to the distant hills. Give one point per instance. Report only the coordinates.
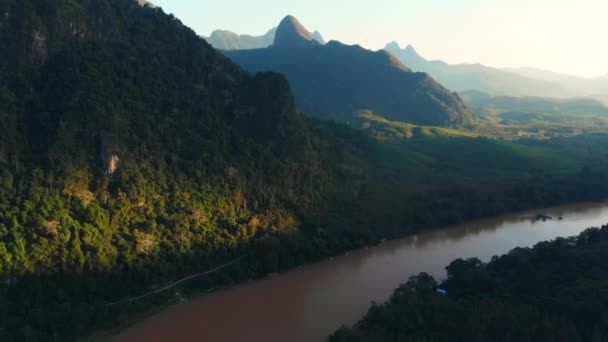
(335, 80)
(535, 105)
(227, 40)
(536, 117)
(508, 82)
(579, 86)
(461, 77)
(457, 77)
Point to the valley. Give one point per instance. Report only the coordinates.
(310, 302)
(142, 165)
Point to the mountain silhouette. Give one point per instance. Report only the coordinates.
(335, 80)
(463, 77)
(227, 40)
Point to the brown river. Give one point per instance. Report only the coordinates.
(309, 303)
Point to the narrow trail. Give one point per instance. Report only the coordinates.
(167, 287)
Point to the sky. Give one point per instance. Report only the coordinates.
(567, 36)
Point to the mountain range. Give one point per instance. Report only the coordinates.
(507, 82)
(462, 77)
(335, 80)
(457, 77)
(227, 40)
(579, 86)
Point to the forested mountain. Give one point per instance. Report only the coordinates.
(133, 154)
(555, 291)
(463, 77)
(334, 81)
(227, 40)
(126, 137)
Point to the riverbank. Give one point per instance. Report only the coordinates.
(555, 291)
(252, 299)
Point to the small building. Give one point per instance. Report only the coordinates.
(441, 291)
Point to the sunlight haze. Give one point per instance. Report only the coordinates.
(557, 35)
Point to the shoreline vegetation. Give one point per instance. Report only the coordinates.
(116, 331)
(554, 291)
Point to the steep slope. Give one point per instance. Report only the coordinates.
(132, 152)
(66, 78)
(463, 77)
(128, 130)
(336, 80)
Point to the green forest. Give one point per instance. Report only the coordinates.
(555, 291)
(133, 154)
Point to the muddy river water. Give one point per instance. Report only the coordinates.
(309, 303)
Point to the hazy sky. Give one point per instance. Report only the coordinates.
(568, 36)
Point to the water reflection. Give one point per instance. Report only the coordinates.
(312, 301)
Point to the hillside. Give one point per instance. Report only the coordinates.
(333, 80)
(128, 112)
(463, 77)
(67, 106)
(132, 153)
(382, 129)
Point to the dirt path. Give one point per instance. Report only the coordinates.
(167, 287)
